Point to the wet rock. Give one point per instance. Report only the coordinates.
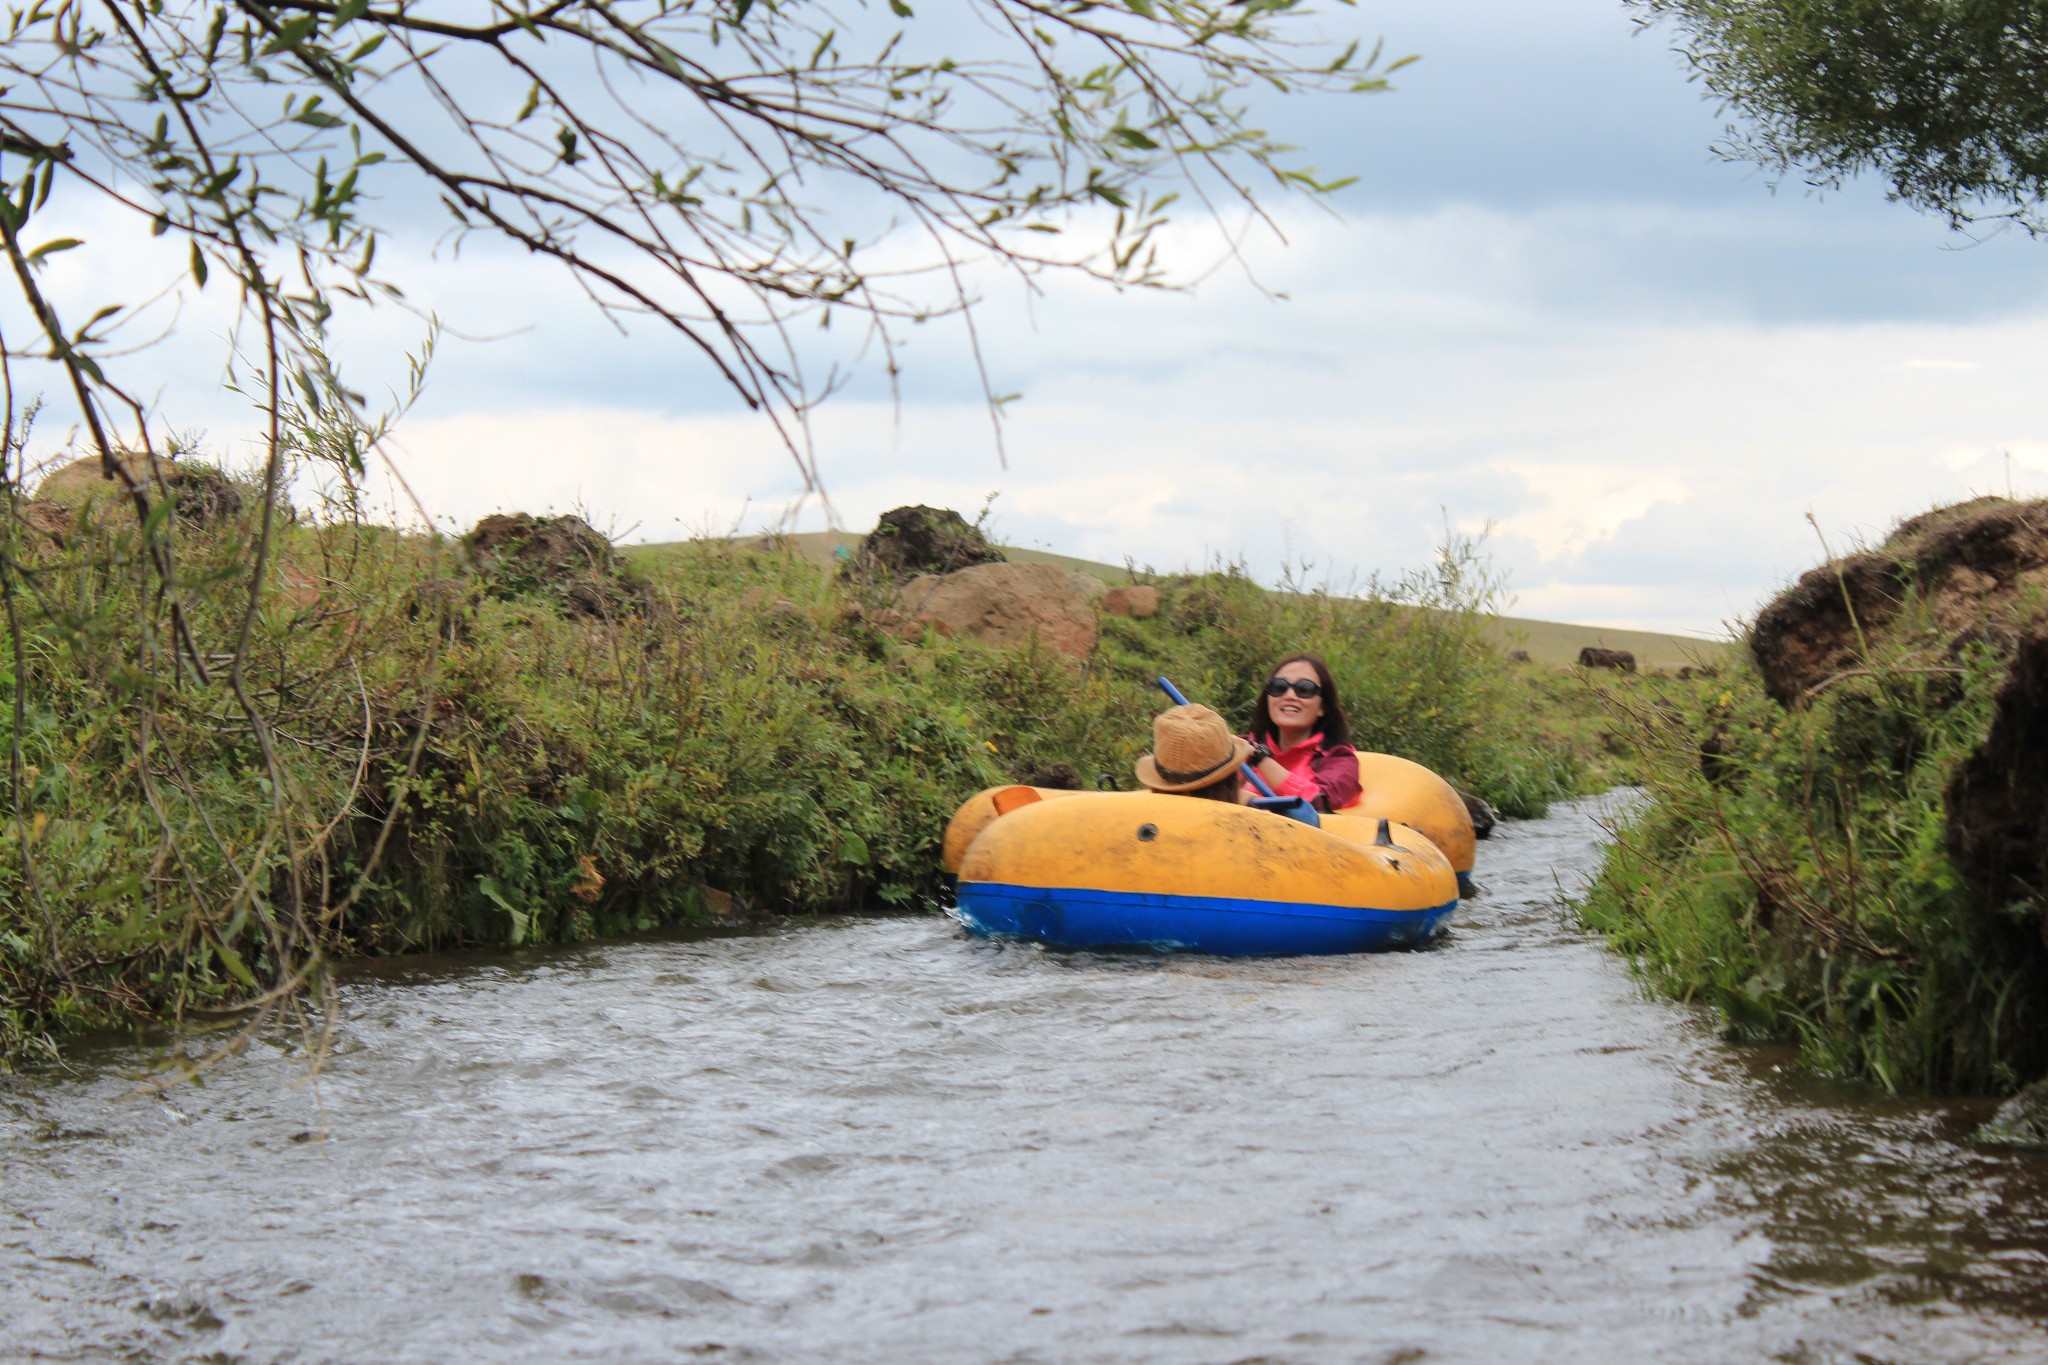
(908, 541)
(1483, 818)
(999, 604)
(2021, 1121)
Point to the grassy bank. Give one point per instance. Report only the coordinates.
(1793, 869)
(398, 751)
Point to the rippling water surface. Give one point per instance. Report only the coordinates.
(880, 1140)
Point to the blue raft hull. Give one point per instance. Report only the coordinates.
(1075, 918)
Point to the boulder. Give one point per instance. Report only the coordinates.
(1138, 601)
(1592, 656)
(908, 541)
(1000, 604)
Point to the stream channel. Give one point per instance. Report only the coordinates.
(881, 1140)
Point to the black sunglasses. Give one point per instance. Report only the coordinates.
(1303, 687)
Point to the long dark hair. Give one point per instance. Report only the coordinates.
(1336, 730)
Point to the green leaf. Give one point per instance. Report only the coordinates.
(198, 264)
(853, 849)
(1133, 137)
(521, 921)
(237, 968)
(52, 248)
(1142, 8)
(292, 32)
(899, 9)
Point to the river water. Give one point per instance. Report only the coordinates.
(880, 1140)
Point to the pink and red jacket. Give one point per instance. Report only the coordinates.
(1327, 776)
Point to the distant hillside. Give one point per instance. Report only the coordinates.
(1548, 642)
(1555, 642)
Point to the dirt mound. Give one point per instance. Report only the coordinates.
(1946, 582)
(1954, 571)
(518, 555)
(204, 493)
(922, 540)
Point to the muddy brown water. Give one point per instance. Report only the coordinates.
(881, 1140)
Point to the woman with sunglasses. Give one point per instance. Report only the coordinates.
(1301, 744)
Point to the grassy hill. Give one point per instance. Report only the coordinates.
(1552, 643)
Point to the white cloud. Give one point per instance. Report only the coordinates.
(1581, 504)
(1644, 395)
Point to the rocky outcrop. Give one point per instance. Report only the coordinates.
(1001, 604)
(1949, 572)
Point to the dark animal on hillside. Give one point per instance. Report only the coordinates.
(1593, 657)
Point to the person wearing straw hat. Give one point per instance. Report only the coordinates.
(1193, 754)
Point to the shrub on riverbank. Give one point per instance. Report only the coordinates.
(399, 751)
(1805, 860)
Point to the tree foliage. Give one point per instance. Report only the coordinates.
(724, 168)
(718, 171)
(1946, 99)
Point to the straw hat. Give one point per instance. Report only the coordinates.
(1191, 747)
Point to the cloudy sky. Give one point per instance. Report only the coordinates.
(1545, 309)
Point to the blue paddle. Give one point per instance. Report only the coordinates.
(1251, 774)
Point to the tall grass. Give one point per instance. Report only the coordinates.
(397, 759)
